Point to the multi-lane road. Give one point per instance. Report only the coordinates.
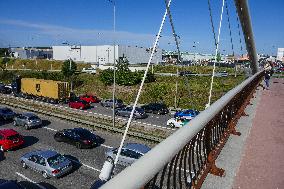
(88, 162)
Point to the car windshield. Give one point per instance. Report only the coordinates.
(55, 160)
(13, 137)
(33, 118)
(5, 111)
(85, 133)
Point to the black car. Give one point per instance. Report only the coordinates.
(6, 113)
(13, 184)
(155, 108)
(81, 138)
(186, 73)
(4, 89)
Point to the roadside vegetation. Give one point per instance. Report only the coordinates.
(192, 91)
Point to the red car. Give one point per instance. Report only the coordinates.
(90, 98)
(79, 104)
(10, 139)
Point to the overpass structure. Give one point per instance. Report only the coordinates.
(185, 158)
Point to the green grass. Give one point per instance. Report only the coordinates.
(193, 91)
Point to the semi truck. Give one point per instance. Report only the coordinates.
(40, 89)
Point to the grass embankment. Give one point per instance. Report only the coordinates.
(193, 91)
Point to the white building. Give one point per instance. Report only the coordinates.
(104, 54)
(280, 54)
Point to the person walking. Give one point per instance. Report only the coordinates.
(267, 74)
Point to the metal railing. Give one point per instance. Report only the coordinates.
(184, 159)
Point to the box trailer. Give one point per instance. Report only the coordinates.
(48, 89)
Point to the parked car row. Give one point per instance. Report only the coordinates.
(51, 164)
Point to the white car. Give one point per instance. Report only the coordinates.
(177, 122)
(89, 70)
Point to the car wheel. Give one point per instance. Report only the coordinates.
(45, 175)
(172, 125)
(15, 123)
(26, 127)
(78, 145)
(24, 165)
(109, 159)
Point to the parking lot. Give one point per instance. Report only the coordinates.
(87, 162)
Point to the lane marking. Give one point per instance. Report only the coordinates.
(24, 177)
(30, 180)
(88, 166)
(48, 128)
(106, 146)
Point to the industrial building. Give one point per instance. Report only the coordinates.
(280, 54)
(104, 54)
(31, 53)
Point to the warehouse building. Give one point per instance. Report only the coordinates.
(104, 54)
(31, 52)
(280, 54)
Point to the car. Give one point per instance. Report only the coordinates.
(47, 162)
(188, 114)
(221, 74)
(90, 70)
(27, 120)
(98, 184)
(10, 139)
(186, 73)
(80, 137)
(89, 98)
(139, 113)
(5, 89)
(177, 122)
(6, 113)
(14, 184)
(130, 152)
(109, 103)
(155, 108)
(79, 104)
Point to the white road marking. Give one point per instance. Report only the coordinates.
(24, 177)
(48, 128)
(95, 113)
(90, 112)
(106, 146)
(157, 117)
(88, 166)
(30, 180)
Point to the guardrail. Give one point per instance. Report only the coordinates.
(184, 159)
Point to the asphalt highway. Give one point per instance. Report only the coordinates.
(87, 162)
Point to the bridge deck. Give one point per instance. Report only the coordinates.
(262, 162)
(255, 160)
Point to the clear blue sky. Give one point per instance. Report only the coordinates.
(90, 22)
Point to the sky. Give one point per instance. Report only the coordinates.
(91, 22)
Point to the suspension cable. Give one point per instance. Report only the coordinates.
(216, 53)
(212, 24)
(142, 83)
(231, 38)
(239, 30)
(173, 30)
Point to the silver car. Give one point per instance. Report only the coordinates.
(48, 163)
(109, 103)
(129, 153)
(28, 120)
(126, 112)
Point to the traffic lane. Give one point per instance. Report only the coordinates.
(153, 119)
(43, 139)
(54, 124)
(80, 177)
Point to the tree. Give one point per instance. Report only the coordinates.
(65, 69)
(3, 62)
(218, 57)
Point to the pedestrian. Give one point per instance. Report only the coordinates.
(267, 74)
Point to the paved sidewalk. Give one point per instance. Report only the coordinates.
(262, 162)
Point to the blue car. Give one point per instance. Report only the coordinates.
(188, 114)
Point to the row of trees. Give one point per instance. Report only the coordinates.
(124, 76)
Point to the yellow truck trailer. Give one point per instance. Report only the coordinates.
(49, 89)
